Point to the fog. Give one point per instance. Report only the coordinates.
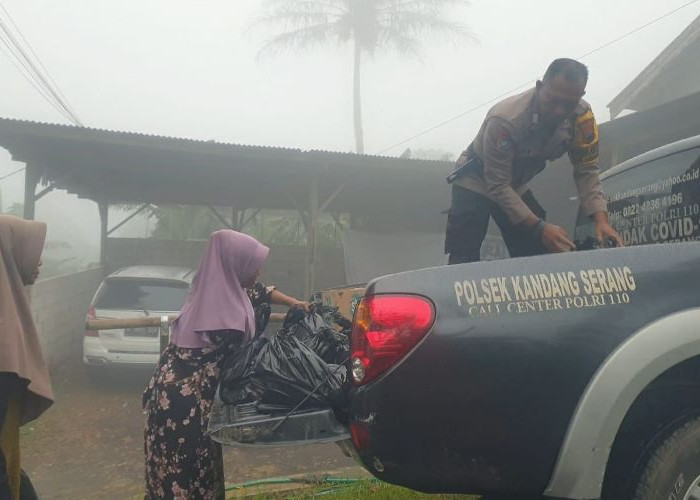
(190, 69)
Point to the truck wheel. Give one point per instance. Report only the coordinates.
(672, 471)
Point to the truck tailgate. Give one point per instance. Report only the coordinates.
(483, 402)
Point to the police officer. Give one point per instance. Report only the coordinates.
(520, 134)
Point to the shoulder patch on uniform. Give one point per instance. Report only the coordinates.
(584, 149)
(586, 127)
(503, 140)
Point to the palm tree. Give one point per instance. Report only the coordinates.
(370, 25)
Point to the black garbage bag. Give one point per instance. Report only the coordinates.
(280, 375)
(344, 323)
(331, 346)
(316, 331)
(299, 324)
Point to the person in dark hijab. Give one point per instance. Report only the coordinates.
(25, 387)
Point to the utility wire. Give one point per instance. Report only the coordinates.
(12, 173)
(34, 68)
(530, 82)
(23, 66)
(7, 48)
(37, 73)
(36, 56)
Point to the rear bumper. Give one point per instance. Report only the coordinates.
(432, 436)
(94, 354)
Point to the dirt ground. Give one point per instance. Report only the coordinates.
(89, 444)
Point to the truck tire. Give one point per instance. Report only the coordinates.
(672, 470)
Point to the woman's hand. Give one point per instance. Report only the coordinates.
(306, 306)
(281, 299)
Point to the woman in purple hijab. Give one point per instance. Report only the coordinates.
(218, 316)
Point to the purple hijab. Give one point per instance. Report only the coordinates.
(217, 299)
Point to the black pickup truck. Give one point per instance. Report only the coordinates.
(570, 376)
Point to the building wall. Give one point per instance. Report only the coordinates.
(59, 306)
(285, 267)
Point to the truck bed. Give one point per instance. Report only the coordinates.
(484, 401)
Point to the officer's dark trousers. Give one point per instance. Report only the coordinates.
(468, 221)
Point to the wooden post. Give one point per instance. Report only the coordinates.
(262, 225)
(311, 227)
(235, 224)
(104, 229)
(31, 179)
(164, 332)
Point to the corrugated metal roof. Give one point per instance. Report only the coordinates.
(38, 127)
(125, 167)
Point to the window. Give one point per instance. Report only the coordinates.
(655, 202)
(142, 295)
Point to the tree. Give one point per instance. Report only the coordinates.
(276, 228)
(184, 222)
(370, 25)
(288, 229)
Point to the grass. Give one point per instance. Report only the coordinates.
(362, 489)
(378, 491)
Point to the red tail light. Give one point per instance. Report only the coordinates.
(91, 315)
(385, 329)
(360, 436)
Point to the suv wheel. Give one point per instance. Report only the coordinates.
(672, 470)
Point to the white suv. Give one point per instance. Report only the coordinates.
(130, 293)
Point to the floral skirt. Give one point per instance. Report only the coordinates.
(182, 462)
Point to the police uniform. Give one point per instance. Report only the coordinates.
(512, 147)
